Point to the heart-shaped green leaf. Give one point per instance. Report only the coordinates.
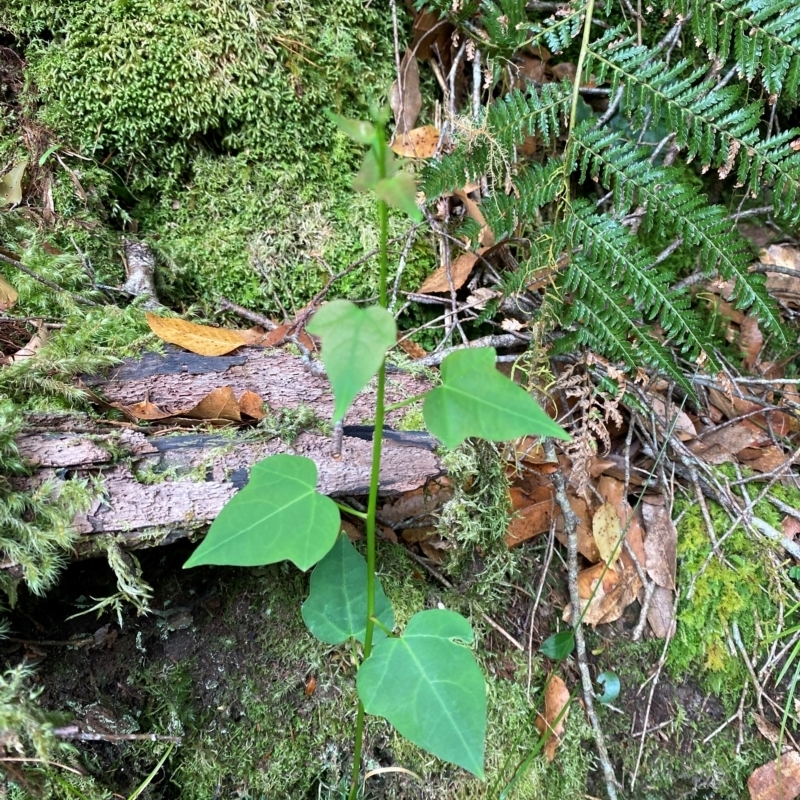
(356, 129)
(277, 516)
(559, 645)
(430, 688)
(354, 344)
(399, 191)
(336, 608)
(477, 400)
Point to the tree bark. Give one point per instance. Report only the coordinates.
(161, 482)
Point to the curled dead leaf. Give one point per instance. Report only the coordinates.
(251, 405)
(534, 515)
(660, 546)
(219, 404)
(556, 702)
(406, 104)
(36, 343)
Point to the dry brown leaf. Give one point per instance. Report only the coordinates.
(529, 69)
(607, 606)
(254, 336)
(200, 339)
(751, 340)
(434, 549)
(769, 731)
(660, 613)
(607, 533)
(599, 465)
(218, 404)
(762, 459)
(353, 533)
(556, 701)
(418, 502)
(417, 143)
(533, 518)
(252, 405)
(674, 418)
(406, 105)
(660, 546)
(564, 70)
(411, 349)
(460, 270)
(431, 35)
(790, 527)
(143, 410)
(588, 578)
(587, 546)
(776, 780)
(11, 185)
(8, 294)
(784, 287)
(720, 445)
(474, 212)
(417, 535)
(29, 350)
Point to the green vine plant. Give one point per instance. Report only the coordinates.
(614, 264)
(280, 516)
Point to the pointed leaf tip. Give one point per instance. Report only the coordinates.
(354, 344)
(278, 516)
(442, 707)
(477, 400)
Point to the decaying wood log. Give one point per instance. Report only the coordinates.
(160, 483)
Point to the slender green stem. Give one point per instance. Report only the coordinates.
(403, 403)
(377, 443)
(576, 91)
(351, 511)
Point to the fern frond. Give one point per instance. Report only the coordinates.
(675, 207)
(626, 267)
(609, 326)
(711, 123)
(486, 147)
(533, 187)
(764, 36)
(518, 115)
(506, 24)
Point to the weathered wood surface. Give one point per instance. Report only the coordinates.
(179, 380)
(158, 485)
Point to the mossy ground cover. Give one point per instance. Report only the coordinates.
(264, 710)
(198, 127)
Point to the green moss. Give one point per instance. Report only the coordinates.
(738, 588)
(476, 519)
(266, 237)
(153, 81)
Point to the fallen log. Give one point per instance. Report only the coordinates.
(161, 482)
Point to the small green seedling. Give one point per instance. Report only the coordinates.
(280, 516)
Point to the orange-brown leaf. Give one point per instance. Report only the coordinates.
(219, 404)
(201, 339)
(460, 270)
(417, 143)
(556, 701)
(252, 405)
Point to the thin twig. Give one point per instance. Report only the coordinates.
(501, 340)
(571, 531)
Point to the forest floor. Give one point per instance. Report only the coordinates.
(212, 687)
